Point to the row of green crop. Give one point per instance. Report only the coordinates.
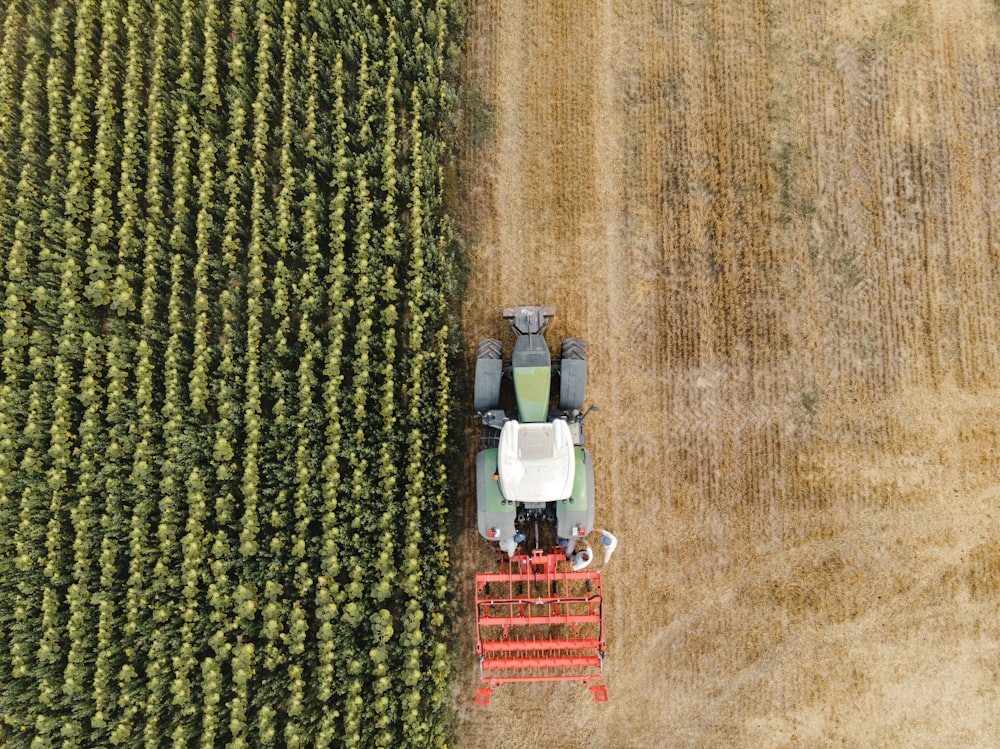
(224, 386)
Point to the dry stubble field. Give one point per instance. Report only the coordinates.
(776, 224)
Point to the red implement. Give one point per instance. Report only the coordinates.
(538, 620)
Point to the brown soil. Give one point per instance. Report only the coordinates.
(776, 225)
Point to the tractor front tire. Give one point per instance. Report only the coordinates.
(489, 372)
(572, 374)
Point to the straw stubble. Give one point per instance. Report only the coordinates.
(774, 225)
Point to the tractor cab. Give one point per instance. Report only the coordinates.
(536, 462)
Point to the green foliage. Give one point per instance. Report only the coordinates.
(224, 372)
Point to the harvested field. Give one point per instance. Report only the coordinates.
(776, 225)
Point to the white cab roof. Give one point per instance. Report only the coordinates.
(536, 461)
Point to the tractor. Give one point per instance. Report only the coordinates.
(540, 617)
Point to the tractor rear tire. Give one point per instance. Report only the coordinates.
(572, 374)
(489, 372)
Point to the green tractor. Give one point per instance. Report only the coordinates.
(532, 469)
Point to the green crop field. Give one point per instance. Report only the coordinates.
(227, 273)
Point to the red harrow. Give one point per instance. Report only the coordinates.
(538, 620)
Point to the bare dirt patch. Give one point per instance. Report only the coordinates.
(775, 225)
